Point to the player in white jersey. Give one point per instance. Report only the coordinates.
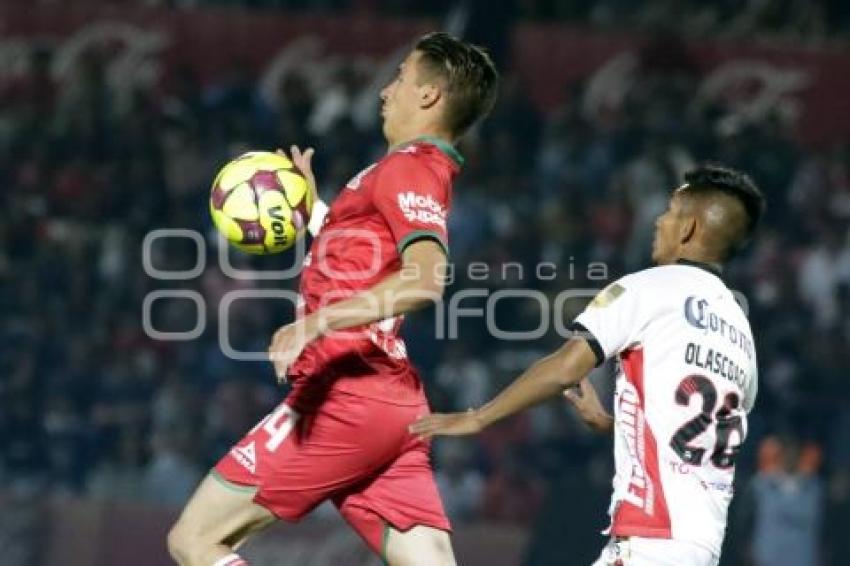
(687, 379)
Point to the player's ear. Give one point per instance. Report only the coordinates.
(429, 94)
(687, 228)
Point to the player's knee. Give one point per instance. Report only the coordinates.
(180, 542)
(439, 548)
(175, 542)
(435, 556)
(443, 552)
(420, 547)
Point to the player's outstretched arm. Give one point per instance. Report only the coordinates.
(547, 378)
(419, 283)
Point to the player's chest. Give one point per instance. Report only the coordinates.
(350, 207)
(354, 201)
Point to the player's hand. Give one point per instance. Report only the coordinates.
(589, 407)
(288, 343)
(450, 424)
(303, 160)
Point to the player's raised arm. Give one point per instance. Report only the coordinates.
(548, 377)
(419, 283)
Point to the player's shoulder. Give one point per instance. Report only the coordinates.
(631, 285)
(409, 170)
(671, 276)
(644, 280)
(403, 163)
(658, 284)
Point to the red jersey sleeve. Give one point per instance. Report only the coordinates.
(413, 199)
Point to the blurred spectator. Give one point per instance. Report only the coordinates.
(172, 473)
(461, 486)
(513, 493)
(463, 378)
(825, 268)
(787, 502)
(646, 181)
(120, 476)
(335, 102)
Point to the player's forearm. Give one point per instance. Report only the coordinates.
(396, 295)
(547, 378)
(541, 381)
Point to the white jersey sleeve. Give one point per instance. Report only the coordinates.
(751, 390)
(615, 316)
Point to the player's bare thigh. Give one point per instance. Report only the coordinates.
(218, 518)
(419, 546)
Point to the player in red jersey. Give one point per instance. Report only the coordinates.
(341, 434)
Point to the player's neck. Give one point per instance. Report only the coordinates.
(422, 135)
(696, 252)
(710, 265)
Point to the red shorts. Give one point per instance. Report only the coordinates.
(355, 451)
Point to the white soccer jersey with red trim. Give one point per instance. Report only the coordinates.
(687, 379)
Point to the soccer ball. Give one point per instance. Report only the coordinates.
(261, 203)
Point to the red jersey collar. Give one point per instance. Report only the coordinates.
(445, 147)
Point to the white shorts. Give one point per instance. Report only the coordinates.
(637, 551)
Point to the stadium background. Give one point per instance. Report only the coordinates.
(114, 116)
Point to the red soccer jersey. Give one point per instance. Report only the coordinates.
(402, 198)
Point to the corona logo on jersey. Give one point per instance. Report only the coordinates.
(698, 313)
(419, 208)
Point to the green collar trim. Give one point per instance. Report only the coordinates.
(385, 543)
(441, 144)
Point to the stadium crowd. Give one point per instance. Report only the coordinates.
(790, 19)
(91, 405)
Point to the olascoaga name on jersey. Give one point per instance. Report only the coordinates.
(698, 313)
